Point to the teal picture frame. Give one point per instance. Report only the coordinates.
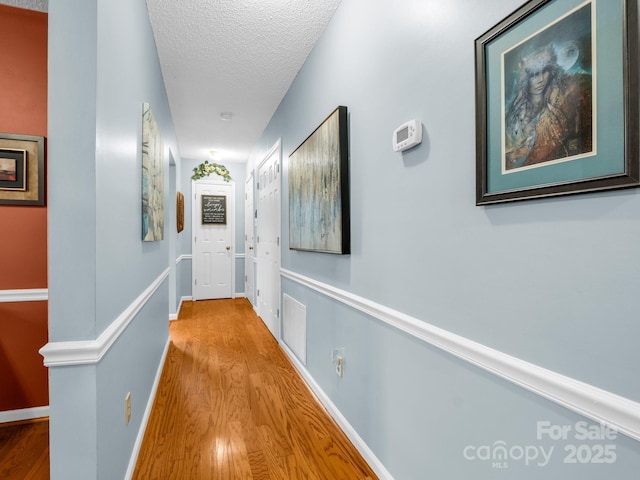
(557, 101)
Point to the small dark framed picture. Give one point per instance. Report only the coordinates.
(22, 170)
(557, 101)
(179, 211)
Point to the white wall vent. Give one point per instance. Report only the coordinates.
(294, 327)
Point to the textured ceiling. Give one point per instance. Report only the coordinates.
(235, 56)
(40, 5)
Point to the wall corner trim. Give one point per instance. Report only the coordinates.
(83, 352)
(610, 409)
(26, 295)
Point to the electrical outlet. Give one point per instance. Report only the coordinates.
(127, 414)
(337, 357)
(339, 366)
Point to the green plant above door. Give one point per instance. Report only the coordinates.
(205, 169)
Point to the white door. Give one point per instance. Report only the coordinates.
(249, 225)
(268, 241)
(213, 239)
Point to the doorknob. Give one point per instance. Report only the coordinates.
(228, 247)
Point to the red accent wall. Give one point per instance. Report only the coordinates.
(23, 229)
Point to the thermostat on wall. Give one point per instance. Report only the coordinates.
(407, 135)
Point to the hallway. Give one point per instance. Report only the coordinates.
(231, 406)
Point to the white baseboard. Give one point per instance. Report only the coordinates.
(346, 427)
(24, 414)
(174, 316)
(25, 295)
(147, 413)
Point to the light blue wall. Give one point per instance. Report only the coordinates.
(184, 238)
(183, 285)
(103, 65)
(552, 282)
(72, 171)
(128, 75)
(174, 298)
(130, 365)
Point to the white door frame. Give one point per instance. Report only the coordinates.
(274, 150)
(231, 223)
(250, 244)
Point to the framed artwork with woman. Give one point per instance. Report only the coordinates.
(555, 110)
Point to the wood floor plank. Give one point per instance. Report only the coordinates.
(41, 467)
(24, 450)
(258, 465)
(230, 405)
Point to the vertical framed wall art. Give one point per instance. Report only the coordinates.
(319, 219)
(152, 178)
(179, 211)
(557, 100)
(22, 170)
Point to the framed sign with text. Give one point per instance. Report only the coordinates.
(214, 209)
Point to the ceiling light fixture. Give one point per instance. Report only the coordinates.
(226, 116)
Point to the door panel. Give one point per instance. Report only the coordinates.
(268, 241)
(213, 245)
(249, 248)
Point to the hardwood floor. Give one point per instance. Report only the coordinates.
(231, 406)
(24, 450)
